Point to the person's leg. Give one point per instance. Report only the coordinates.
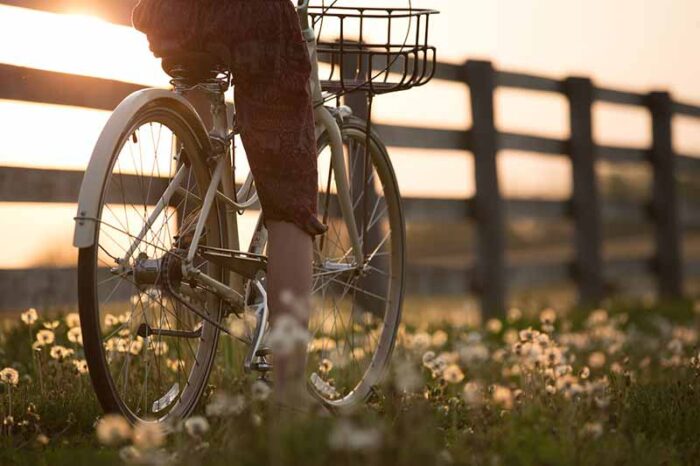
(289, 269)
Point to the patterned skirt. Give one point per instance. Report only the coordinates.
(271, 69)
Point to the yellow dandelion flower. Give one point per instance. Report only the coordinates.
(596, 360)
(514, 314)
(45, 337)
(175, 365)
(60, 353)
(113, 430)
(136, 346)
(439, 338)
(81, 366)
(502, 396)
(29, 316)
(73, 320)
(322, 344)
(75, 335)
(52, 324)
(111, 320)
(358, 353)
(453, 374)
(494, 326)
(124, 318)
(325, 366)
(9, 376)
(148, 435)
(42, 439)
(548, 316)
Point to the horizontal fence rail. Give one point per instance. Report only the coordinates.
(493, 272)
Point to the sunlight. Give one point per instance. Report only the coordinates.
(77, 44)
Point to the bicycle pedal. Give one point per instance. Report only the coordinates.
(261, 366)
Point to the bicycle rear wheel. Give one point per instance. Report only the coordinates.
(148, 353)
(356, 308)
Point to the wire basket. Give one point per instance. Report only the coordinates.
(375, 50)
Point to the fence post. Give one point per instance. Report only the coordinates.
(585, 199)
(664, 205)
(488, 205)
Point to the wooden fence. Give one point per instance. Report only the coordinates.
(489, 210)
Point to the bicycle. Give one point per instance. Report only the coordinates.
(160, 267)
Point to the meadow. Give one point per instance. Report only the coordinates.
(617, 385)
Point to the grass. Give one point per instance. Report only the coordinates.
(620, 386)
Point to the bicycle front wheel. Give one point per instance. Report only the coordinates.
(149, 354)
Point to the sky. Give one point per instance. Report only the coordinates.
(638, 45)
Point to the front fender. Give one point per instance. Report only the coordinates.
(102, 158)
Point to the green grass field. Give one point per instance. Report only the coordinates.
(615, 386)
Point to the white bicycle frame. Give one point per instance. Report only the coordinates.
(222, 185)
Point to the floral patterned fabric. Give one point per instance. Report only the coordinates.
(271, 68)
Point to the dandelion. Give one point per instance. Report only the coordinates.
(175, 365)
(111, 320)
(42, 440)
(75, 335)
(439, 339)
(494, 326)
(514, 314)
(346, 436)
(51, 324)
(596, 360)
(453, 374)
(585, 373)
(73, 320)
(592, 429)
(148, 435)
(473, 394)
(421, 341)
(29, 316)
(548, 316)
(136, 346)
(9, 376)
(223, 405)
(112, 430)
(510, 336)
(45, 337)
(325, 366)
(260, 390)
(321, 344)
(196, 426)
(80, 366)
(287, 334)
(597, 318)
(60, 353)
(406, 377)
(502, 396)
(428, 356)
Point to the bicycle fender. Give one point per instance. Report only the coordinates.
(101, 161)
